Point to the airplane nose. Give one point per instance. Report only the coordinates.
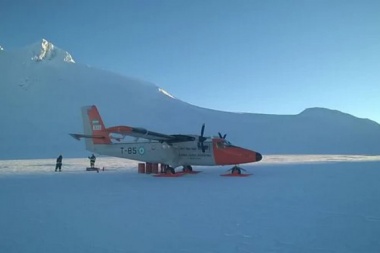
(259, 157)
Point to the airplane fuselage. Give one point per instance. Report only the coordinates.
(216, 152)
(185, 153)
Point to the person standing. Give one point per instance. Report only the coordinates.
(92, 160)
(58, 165)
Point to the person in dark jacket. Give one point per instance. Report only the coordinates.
(58, 165)
(92, 160)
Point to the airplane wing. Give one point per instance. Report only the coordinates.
(149, 135)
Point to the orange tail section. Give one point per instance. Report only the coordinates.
(97, 126)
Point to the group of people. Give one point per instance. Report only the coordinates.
(58, 165)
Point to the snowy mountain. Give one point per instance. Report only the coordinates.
(42, 90)
(47, 51)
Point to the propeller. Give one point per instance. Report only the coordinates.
(222, 137)
(201, 138)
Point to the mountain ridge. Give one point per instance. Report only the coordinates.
(40, 100)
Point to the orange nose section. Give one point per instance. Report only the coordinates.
(235, 155)
(251, 156)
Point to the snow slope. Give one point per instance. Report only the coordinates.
(42, 90)
(311, 206)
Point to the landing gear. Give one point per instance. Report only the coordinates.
(187, 168)
(169, 170)
(236, 170)
(166, 169)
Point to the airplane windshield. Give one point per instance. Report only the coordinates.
(223, 144)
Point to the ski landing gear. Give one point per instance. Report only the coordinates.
(169, 172)
(166, 169)
(187, 169)
(236, 172)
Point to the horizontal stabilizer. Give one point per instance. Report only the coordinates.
(79, 136)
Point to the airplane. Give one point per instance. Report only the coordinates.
(172, 150)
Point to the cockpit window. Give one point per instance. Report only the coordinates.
(223, 144)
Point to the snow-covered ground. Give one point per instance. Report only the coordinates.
(290, 204)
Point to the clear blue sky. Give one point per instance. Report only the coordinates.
(276, 57)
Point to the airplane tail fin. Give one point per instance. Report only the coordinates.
(93, 126)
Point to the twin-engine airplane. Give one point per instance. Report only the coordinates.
(173, 150)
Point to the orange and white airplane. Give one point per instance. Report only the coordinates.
(173, 150)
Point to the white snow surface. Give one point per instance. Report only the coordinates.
(290, 204)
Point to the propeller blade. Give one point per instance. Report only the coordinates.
(222, 136)
(201, 138)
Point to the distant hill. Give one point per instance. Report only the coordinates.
(42, 90)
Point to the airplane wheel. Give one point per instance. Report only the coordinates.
(170, 170)
(187, 168)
